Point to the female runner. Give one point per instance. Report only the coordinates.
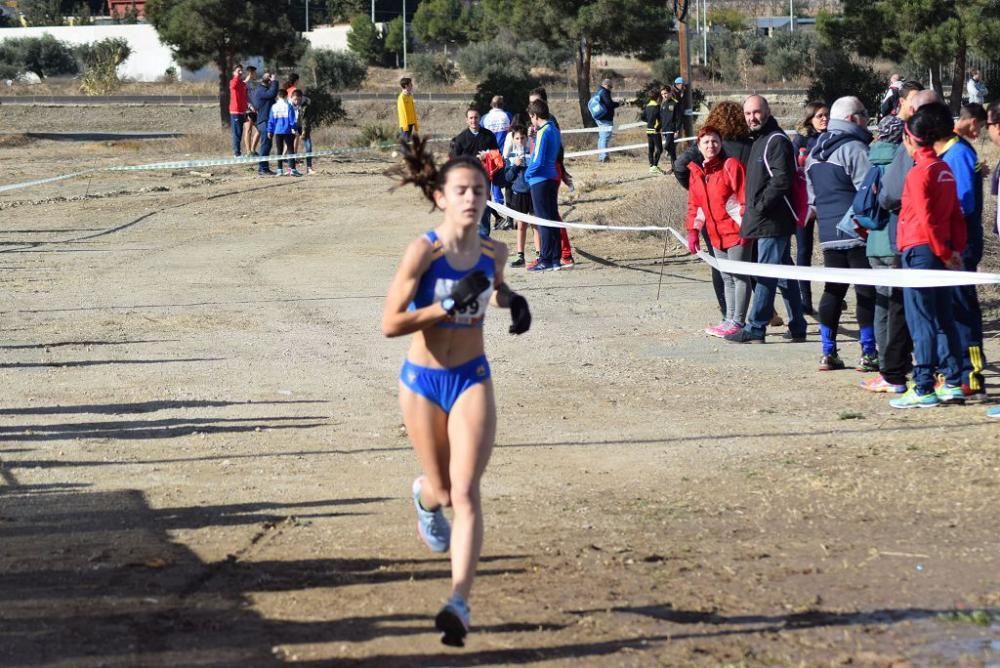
(439, 294)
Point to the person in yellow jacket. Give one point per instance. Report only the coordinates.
(408, 123)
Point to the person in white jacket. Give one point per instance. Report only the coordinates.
(976, 89)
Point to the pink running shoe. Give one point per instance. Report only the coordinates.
(717, 330)
(728, 328)
(880, 384)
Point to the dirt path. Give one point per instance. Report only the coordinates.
(202, 459)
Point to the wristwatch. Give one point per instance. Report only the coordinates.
(448, 304)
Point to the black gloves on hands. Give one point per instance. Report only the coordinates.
(520, 316)
(469, 288)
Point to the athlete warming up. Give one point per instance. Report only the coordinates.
(439, 294)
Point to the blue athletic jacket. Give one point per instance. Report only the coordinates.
(964, 163)
(542, 167)
(283, 119)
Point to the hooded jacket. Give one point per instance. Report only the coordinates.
(715, 200)
(651, 114)
(835, 169)
(769, 211)
(931, 212)
(283, 119)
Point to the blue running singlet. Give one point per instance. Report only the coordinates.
(439, 279)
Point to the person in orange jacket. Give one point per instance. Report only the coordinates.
(716, 201)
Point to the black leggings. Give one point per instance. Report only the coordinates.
(281, 143)
(830, 304)
(655, 142)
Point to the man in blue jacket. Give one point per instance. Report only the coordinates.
(543, 178)
(834, 171)
(607, 122)
(262, 100)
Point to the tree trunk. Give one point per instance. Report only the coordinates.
(224, 73)
(958, 78)
(583, 80)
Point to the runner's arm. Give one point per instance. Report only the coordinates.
(397, 320)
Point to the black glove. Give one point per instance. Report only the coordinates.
(469, 288)
(520, 316)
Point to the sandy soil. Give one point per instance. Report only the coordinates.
(202, 459)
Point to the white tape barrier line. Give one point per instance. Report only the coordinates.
(610, 149)
(619, 128)
(52, 179)
(897, 278)
(542, 222)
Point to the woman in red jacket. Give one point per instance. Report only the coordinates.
(931, 234)
(716, 203)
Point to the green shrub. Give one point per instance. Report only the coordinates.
(376, 136)
(43, 56)
(324, 108)
(513, 88)
(363, 39)
(100, 64)
(790, 55)
(668, 67)
(434, 68)
(481, 60)
(335, 70)
(837, 75)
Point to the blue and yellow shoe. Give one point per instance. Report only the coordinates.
(913, 399)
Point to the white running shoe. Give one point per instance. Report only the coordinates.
(432, 526)
(453, 621)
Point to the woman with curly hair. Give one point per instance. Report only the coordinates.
(445, 281)
(815, 118)
(727, 119)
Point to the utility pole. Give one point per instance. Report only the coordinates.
(404, 32)
(307, 15)
(704, 35)
(373, 13)
(791, 15)
(680, 13)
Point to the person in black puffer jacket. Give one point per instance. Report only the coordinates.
(770, 219)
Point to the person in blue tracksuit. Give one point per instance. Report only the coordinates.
(964, 162)
(543, 177)
(282, 126)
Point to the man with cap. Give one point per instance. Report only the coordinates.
(607, 122)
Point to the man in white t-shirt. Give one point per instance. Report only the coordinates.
(497, 121)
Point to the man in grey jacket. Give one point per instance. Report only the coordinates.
(835, 169)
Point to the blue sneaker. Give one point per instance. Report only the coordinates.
(453, 621)
(993, 412)
(950, 394)
(913, 399)
(432, 526)
(537, 265)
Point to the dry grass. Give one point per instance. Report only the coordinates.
(15, 140)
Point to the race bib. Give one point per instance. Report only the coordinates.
(471, 314)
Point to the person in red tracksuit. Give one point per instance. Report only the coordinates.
(716, 199)
(931, 234)
(239, 104)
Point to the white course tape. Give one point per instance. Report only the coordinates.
(610, 149)
(605, 128)
(542, 222)
(896, 278)
(51, 179)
